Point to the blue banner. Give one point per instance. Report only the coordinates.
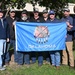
(40, 36)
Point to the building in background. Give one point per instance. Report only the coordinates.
(29, 7)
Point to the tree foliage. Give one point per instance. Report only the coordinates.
(71, 1)
(52, 4)
(4, 4)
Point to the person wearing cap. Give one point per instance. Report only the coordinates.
(24, 16)
(24, 57)
(36, 18)
(45, 15)
(69, 21)
(45, 18)
(54, 55)
(11, 19)
(4, 37)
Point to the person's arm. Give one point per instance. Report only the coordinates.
(69, 26)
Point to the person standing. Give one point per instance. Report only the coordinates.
(69, 44)
(37, 18)
(45, 18)
(11, 19)
(4, 37)
(54, 55)
(24, 57)
(45, 15)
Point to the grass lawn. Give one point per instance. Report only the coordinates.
(34, 69)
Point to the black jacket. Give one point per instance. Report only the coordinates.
(11, 27)
(4, 30)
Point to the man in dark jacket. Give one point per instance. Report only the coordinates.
(11, 19)
(46, 53)
(4, 36)
(69, 43)
(24, 57)
(37, 18)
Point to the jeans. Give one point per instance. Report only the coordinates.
(20, 58)
(27, 58)
(2, 50)
(33, 57)
(24, 57)
(12, 43)
(40, 57)
(55, 58)
(46, 56)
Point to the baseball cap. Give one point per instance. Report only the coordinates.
(12, 10)
(24, 12)
(51, 12)
(36, 10)
(45, 11)
(66, 9)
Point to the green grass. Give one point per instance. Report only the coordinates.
(34, 69)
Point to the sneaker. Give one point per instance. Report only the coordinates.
(2, 68)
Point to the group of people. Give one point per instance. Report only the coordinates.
(7, 38)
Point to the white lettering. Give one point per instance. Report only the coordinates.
(42, 46)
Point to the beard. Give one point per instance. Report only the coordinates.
(24, 18)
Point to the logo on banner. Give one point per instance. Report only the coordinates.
(41, 34)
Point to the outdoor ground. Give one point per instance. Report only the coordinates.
(34, 69)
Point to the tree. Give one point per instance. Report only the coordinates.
(57, 5)
(4, 4)
(71, 1)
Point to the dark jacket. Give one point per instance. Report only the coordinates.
(36, 20)
(11, 27)
(54, 21)
(4, 30)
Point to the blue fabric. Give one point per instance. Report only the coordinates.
(26, 41)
